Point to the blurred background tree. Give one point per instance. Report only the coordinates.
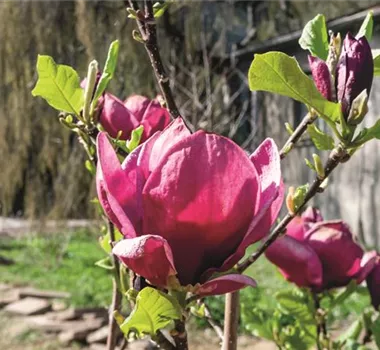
(207, 48)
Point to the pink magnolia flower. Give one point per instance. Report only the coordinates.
(189, 205)
(373, 283)
(322, 257)
(137, 110)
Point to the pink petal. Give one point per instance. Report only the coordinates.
(367, 264)
(266, 160)
(373, 284)
(301, 224)
(225, 284)
(148, 256)
(119, 190)
(159, 144)
(137, 104)
(116, 117)
(149, 113)
(195, 199)
(340, 255)
(298, 263)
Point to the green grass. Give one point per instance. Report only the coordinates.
(66, 262)
(63, 262)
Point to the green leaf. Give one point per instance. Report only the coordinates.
(320, 139)
(344, 294)
(376, 62)
(366, 27)
(105, 263)
(367, 134)
(278, 73)
(299, 195)
(104, 241)
(159, 9)
(296, 303)
(58, 85)
(376, 331)
(310, 164)
(314, 37)
(109, 69)
(135, 138)
(154, 310)
(353, 332)
(259, 323)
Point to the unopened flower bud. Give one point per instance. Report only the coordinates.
(354, 71)
(321, 76)
(89, 89)
(359, 109)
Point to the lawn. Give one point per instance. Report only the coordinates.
(66, 262)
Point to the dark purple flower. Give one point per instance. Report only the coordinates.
(354, 71)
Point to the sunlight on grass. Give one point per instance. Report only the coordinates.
(64, 262)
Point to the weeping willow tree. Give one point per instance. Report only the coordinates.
(42, 173)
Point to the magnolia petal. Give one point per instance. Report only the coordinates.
(266, 160)
(194, 199)
(340, 256)
(149, 256)
(119, 190)
(297, 261)
(225, 284)
(373, 284)
(367, 264)
(151, 115)
(116, 117)
(158, 145)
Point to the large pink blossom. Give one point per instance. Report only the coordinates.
(189, 205)
(320, 254)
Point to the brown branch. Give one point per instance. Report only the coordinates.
(179, 335)
(231, 321)
(113, 328)
(294, 138)
(147, 29)
(335, 157)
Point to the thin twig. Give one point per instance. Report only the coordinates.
(113, 328)
(231, 321)
(147, 29)
(217, 328)
(296, 135)
(332, 162)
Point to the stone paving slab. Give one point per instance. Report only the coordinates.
(29, 306)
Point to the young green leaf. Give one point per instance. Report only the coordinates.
(314, 37)
(159, 9)
(104, 241)
(299, 195)
(105, 263)
(376, 62)
(310, 164)
(154, 310)
(367, 134)
(366, 27)
(58, 85)
(279, 73)
(320, 139)
(109, 69)
(135, 138)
